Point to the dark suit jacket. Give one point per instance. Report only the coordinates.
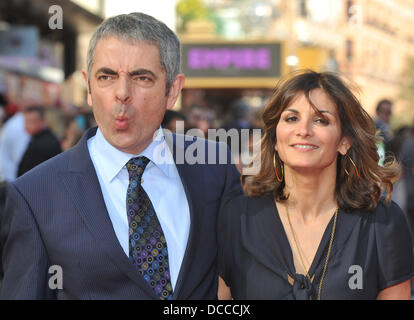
(55, 215)
(42, 147)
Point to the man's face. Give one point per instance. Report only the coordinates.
(33, 123)
(385, 112)
(128, 92)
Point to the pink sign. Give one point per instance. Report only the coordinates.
(225, 58)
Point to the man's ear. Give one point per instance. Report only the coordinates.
(88, 86)
(175, 90)
(344, 145)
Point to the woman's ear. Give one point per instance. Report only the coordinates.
(344, 145)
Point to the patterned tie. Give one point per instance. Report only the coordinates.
(147, 244)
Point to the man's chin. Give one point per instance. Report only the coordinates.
(133, 147)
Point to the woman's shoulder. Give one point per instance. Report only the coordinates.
(391, 225)
(239, 200)
(388, 212)
(385, 212)
(238, 205)
(393, 243)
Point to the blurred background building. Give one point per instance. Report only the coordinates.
(369, 41)
(40, 61)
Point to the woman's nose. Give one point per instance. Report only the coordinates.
(304, 128)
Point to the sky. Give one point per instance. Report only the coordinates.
(163, 10)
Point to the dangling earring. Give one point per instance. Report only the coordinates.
(281, 167)
(353, 163)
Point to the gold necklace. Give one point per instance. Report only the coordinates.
(327, 255)
(297, 245)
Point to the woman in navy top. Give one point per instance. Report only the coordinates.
(313, 223)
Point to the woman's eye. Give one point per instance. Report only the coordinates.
(291, 118)
(322, 121)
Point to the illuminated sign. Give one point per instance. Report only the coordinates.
(231, 60)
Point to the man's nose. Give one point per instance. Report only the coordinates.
(123, 89)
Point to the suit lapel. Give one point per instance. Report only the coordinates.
(187, 173)
(83, 188)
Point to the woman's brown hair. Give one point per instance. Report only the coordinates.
(359, 189)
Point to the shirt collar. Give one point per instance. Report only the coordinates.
(115, 160)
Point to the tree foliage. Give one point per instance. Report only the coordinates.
(188, 10)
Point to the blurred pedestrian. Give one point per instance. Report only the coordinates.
(200, 118)
(170, 119)
(241, 116)
(399, 194)
(3, 114)
(399, 137)
(75, 127)
(382, 121)
(43, 144)
(14, 140)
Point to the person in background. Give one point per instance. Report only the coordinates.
(170, 119)
(200, 118)
(313, 223)
(43, 144)
(242, 116)
(75, 127)
(14, 140)
(3, 114)
(382, 122)
(399, 194)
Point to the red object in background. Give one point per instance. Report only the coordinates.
(11, 109)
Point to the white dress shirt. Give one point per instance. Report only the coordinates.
(14, 140)
(161, 182)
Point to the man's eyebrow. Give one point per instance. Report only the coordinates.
(133, 73)
(140, 72)
(106, 71)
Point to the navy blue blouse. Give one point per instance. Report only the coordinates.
(371, 251)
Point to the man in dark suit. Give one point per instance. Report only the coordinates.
(43, 144)
(130, 211)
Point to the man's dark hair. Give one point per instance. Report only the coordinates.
(171, 114)
(3, 100)
(39, 110)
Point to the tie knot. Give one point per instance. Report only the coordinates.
(136, 166)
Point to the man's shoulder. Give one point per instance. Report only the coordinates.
(46, 171)
(187, 140)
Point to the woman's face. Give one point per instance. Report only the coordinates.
(306, 140)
